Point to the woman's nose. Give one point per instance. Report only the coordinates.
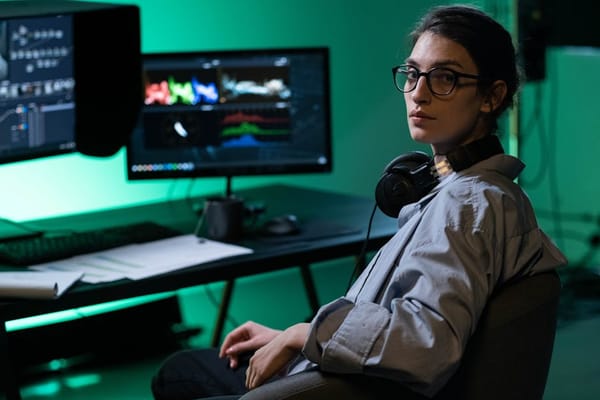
(421, 93)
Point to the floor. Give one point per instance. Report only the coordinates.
(573, 373)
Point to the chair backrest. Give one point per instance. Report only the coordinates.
(508, 356)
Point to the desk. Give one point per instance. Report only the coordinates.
(350, 213)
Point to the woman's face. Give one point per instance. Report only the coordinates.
(444, 121)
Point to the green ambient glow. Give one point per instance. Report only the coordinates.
(81, 312)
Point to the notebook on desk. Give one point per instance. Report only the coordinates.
(36, 284)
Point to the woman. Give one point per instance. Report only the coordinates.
(409, 315)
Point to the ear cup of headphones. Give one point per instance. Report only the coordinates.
(408, 177)
(405, 180)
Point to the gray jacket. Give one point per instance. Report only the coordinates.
(410, 313)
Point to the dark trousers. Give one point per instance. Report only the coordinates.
(196, 374)
(200, 374)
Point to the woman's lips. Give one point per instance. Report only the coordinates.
(419, 117)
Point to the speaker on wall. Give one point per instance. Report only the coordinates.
(554, 23)
(572, 23)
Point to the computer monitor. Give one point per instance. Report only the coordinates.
(231, 113)
(70, 78)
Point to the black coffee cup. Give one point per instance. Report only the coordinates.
(222, 218)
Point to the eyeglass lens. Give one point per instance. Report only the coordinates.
(439, 80)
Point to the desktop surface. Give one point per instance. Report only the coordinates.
(332, 225)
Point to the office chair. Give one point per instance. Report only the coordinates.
(508, 357)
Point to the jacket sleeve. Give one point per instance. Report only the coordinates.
(415, 332)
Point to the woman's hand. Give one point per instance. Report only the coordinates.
(247, 337)
(276, 354)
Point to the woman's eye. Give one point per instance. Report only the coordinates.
(444, 77)
(412, 75)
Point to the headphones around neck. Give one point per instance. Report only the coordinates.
(409, 177)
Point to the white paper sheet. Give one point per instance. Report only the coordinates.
(143, 260)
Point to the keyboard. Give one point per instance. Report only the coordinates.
(51, 247)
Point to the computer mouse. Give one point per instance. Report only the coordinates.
(286, 224)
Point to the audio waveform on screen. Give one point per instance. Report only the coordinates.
(252, 129)
(170, 91)
(240, 117)
(242, 141)
(247, 128)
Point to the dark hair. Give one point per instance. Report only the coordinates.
(486, 41)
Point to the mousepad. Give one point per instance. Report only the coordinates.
(309, 230)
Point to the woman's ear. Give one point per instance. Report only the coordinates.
(495, 96)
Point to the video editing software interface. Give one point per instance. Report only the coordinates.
(230, 113)
(37, 105)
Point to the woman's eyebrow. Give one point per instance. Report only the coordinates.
(439, 63)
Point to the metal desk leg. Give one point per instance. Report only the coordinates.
(309, 286)
(8, 377)
(223, 310)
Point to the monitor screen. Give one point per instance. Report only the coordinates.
(37, 87)
(66, 82)
(230, 113)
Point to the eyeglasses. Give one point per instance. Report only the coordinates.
(440, 81)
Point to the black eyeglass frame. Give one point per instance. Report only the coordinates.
(456, 74)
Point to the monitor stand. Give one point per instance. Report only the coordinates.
(253, 209)
(228, 192)
(199, 207)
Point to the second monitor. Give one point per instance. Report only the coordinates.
(231, 113)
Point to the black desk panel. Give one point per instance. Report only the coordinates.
(333, 226)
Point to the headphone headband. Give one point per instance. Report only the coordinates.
(471, 153)
(409, 177)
